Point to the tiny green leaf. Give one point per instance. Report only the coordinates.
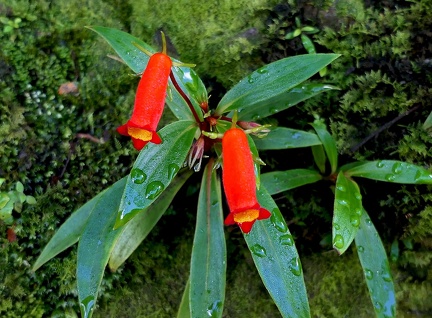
(19, 187)
(269, 82)
(277, 261)
(391, 171)
(428, 122)
(376, 268)
(95, 245)
(279, 181)
(284, 138)
(71, 230)
(155, 168)
(308, 44)
(137, 229)
(347, 212)
(208, 263)
(328, 143)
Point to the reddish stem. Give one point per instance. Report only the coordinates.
(185, 97)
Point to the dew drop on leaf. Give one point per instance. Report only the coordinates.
(278, 222)
(368, 274)
(338, 241)
(154, 189)
(138, 176)
(172, 170)
(258, 250)
(295, 266)
(286, 239)
(380, 164)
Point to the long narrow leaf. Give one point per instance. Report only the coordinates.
(391, 171)
(95, 246)
(70, 231)
(279, 181)
(376, 268)
(184, 309)
(155, 168)
(328, 143)
(277, 261)
(208, 263)
(137, 229)
(284, 138)
(347, 212)
(272, 80)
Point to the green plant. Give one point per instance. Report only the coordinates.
(111, 225)
(13, 201)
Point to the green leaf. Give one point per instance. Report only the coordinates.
(19, 187)
(184, 310)
(391, 171)
(269, 82)
(71, 230)
(319, 157)
(277, 261)
(426, 125)
(137, 229)
(125, 45)
(208, 263)
(376, 268)
(284, 138)
(279, 181)
(95, 245)
(328, 143)
(308, 44)
(155, 168)
(347, 212)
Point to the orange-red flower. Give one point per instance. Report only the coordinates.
(149, 102)
(239, 181)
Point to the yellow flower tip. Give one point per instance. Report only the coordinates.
(139, 133)
(246, 216)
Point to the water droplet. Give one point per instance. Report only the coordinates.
(368, 222)
(397, 168)
(338, 241)
(355, 220)
(418, 175)
(359, 212)
(262, 70)
(368, 274)
(286, 239)
(360, 248)
(273, 110)
(378, 306)
(380, 164)
(258, 250)
(214, 309)
(390, 177)
(172, 170)
(295, 266)
(154, 189)
(385, 275)
(278, 222)
(358, 196)
(86, 306)
(343, 202)
(250, 79)
(256, 117)
(138, 176)
(336, 226)
(341, 188)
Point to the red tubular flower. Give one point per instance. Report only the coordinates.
(149, 102)
(239, 181)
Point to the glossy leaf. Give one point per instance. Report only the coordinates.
(347, 212)
(155, 168)
(279, 181)
(328, 143)
(208, 263)
(319, 157)
(137, 229)
(269, 85)
(277, 261)
(391, 171)
(284, 138)
(184, 309)
(376, 268)
(71, 230)
(125, 45)
(95, 245)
